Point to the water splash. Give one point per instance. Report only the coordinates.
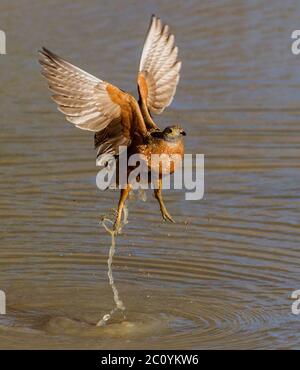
(105, 221)
(119, 305)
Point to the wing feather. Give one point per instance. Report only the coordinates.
(159, 70)
(92, 104)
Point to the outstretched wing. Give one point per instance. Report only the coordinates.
(92, 104)
(159, 70)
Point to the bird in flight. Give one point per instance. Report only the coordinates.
(116, 117)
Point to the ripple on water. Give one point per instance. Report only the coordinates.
(220, 277)
(198, 318)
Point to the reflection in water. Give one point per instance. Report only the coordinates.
(222, 276)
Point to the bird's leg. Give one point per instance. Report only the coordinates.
(124, 194)
(164, 212)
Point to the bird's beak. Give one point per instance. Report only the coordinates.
(183, 133)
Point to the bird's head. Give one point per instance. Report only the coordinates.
(173, 133)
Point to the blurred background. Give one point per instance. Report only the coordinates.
(222, 277)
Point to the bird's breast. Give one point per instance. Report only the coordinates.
(162, 156)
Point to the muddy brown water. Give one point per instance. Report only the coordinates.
(221, 277)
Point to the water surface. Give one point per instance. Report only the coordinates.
(221, 277)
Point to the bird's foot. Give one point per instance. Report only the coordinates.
(166, 216)
(117, 228)
(115, 220)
